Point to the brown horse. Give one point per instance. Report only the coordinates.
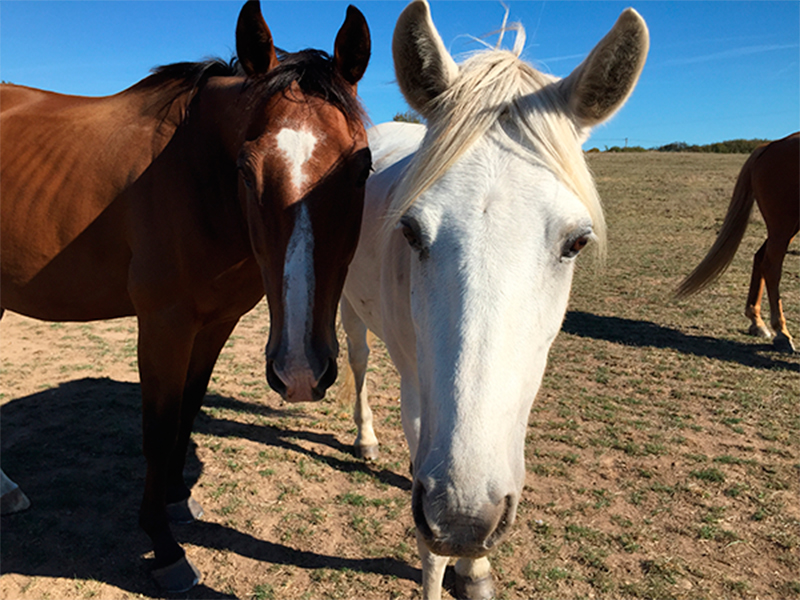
(182, 200)
(771, 177)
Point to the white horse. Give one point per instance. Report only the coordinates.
(464, 266)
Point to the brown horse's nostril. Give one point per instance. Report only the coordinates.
(275, 382)
(327, 378)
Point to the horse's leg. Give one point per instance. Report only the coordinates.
(433, 567)
(165, 350)
(772, 268)
(474, 579)
(12, 499)
(366, 443)
(181, 507)
(753, 308)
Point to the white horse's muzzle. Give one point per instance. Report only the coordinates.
(465, 531)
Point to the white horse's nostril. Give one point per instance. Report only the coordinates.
(504, 523)
(418, 510)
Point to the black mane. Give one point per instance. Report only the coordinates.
(190, 76)
(313, 70)
(316, 74)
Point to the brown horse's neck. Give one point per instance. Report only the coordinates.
(206, 143)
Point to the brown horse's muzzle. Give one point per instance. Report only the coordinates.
(301, 384)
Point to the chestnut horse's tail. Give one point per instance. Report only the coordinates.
(730, 235)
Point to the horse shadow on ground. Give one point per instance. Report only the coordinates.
(629, 332)
(287, 438)
(76, 452)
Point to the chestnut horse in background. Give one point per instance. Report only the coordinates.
(771, 177)
(183, 200)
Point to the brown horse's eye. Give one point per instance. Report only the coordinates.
(244, 173)
(245, 179)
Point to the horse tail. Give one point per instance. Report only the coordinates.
(730, 235)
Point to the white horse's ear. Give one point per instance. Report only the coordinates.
(601, 84)
(423, 67)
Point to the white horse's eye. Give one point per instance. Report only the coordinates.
(575, 245)
(411, 231)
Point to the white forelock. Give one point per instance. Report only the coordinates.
(497, 91)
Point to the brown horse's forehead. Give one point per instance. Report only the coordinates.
(292, 109)
(297, 127)
(300, 142)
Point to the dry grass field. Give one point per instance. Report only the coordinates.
(663, 449)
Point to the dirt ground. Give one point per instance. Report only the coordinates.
(71, 438)
(663, 451)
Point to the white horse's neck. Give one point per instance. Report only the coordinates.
(391, 145)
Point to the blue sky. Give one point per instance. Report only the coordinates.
(716, 70)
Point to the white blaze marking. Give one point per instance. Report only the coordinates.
(297, 147)
(298, 288)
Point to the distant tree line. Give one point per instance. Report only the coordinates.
(728, 147)
(739, 146)
(409, 116)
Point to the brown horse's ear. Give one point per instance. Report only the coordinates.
(352, 47)
(254, 41)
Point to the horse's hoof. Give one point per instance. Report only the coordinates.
(184, 511)
(178, 577)
(474, 589)
(759, 331)
(783, 343)
(368, 453)
(13, 502)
